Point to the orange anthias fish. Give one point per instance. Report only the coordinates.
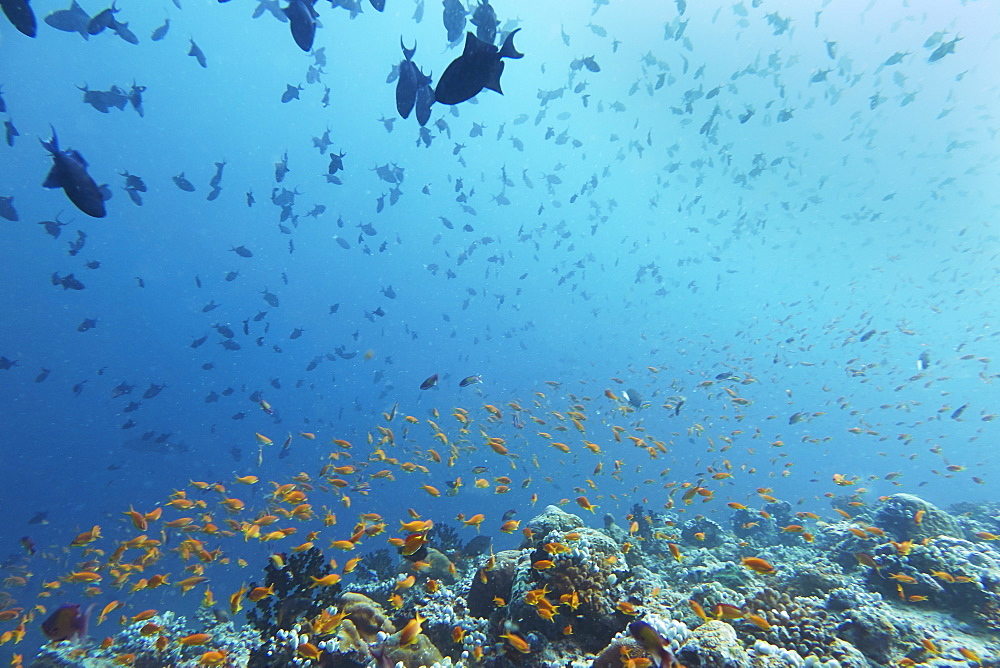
(758, 565)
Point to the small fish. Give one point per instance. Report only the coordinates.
(197, 54)
(654, 643)
(161, 32)
(758, 565)
(429, 382)
(69, 172)
(470, 380)
(943, 50)
(242, 251)
(181, 182)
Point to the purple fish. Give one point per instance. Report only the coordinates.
(66, 623)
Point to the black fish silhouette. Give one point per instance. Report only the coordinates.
(20, 14)
(69, 172)
(477, 68)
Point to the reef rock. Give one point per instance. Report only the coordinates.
(488, 585)
(553, 518)
(367, 616)
(871, 632)
(420, 652)
(714, 645)
(908, 517)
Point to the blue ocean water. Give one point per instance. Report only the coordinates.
(752, 188)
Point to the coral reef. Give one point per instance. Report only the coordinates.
(573, 596)
(908, 517)
(377, 565)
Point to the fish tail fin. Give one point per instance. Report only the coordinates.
(508, 50)
(407, 53)
(51, 145)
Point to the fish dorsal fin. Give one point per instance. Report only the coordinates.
(474, 45)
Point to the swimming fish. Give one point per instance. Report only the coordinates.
(69, 172)
(478, 67)
(302, 20)
(20, 14)
(406, 84)
(66, 623)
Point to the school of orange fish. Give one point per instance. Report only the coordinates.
(208, 521)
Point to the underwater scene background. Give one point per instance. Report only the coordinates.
(681, 350)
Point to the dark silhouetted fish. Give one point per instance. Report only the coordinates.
(134, 182)
(53, 227)
(67, 282)
(104, 100)
(406, 83)
(66, 623)
(424, 99)
(74, 19)
(485, 20)
(10, 132)
(122, 30)
(161, 32)
(943, 50)
(291, 93)
(135, 98)
(429, 382)
(197, 54)
(7, 209)
(302, 20)
(121, 390)
(478, 67)
(270, 298)
(69, 172)
(153, 390)
(281, 168)
(379, 5)
(454, 19)
(77, 245)
(633, 397)
(103, 19)
(20, 14)
(217, 177)
(181, 182)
